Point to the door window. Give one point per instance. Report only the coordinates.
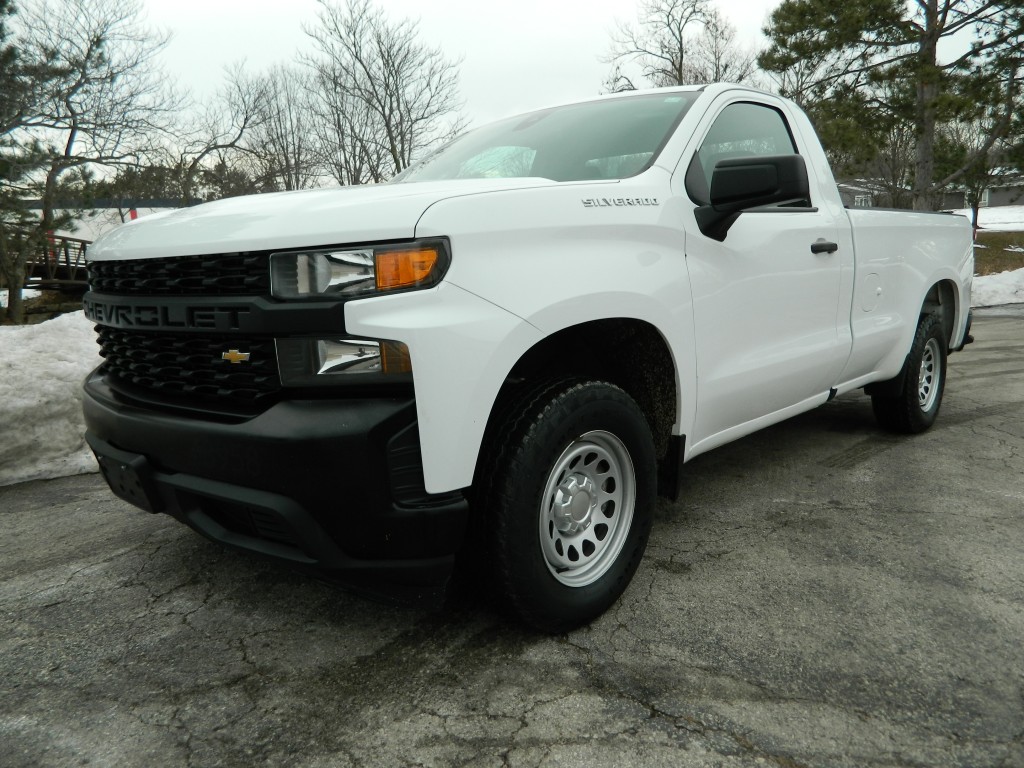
(742, 129)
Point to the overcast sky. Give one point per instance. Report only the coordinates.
(516, 54)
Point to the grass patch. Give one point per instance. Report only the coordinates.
(994, 258)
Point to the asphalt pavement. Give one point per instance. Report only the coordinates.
(823, 594)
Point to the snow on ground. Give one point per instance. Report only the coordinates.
(41, 429)
(994, 290)
(1006, 287)
(1002, 218)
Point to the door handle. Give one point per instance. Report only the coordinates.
(823, 246)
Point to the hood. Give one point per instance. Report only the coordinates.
(302, 219)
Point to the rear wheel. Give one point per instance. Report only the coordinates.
(570, 497)
(915, 406)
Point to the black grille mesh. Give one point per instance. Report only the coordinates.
(226, 274)
(191, 366)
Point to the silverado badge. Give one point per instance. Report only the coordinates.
(234, 357)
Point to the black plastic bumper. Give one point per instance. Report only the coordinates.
(334, 485)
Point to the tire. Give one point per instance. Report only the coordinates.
(917, 403)
(569, 499)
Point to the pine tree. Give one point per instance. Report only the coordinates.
(864, 66)
(19, 81)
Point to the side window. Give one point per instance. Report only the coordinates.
(741, 130)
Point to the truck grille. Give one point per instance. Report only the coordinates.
(191, 366)
(227, 274)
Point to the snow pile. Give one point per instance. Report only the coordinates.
(41, 428)
(993, 290)
(1006, 287)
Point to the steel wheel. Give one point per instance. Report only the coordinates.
(910, 402)
(929, 375)
(568, 499)
(587, 508)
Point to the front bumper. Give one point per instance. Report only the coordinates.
(334, 485)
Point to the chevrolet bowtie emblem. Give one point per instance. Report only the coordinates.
(234, 356)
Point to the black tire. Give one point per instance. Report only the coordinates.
(914, 408)
(567, 500)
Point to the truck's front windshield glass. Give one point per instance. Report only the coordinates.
(608, 139)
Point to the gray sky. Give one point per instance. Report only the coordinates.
(516, 55)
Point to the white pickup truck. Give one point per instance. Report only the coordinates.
(509, 350)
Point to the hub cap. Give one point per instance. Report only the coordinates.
(587, 508)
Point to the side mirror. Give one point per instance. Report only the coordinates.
(744, 183)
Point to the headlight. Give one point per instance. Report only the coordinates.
(319, 362)
(344, 272)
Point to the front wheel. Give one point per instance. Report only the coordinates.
(914, 408)
(570, 499)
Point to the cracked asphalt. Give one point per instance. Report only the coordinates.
(822, 595)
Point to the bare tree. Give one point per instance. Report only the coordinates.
(406, 93)
(350, 138)
(1002, 163)
(801, 81)
(103, 100)
(659, 43)
(219, 127)
(893, 165)
(204, 152)
(716, 55)
(110, 97)
(283, 142)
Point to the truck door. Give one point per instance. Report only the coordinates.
(770, 336)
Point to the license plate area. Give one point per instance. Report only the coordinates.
(129, 476)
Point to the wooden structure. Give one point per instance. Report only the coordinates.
(58, 265)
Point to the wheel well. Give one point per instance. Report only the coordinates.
(629, 353)
(941, 298)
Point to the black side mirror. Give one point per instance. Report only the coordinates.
(744, 183)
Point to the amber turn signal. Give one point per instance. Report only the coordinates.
(394, 357)
(404, 269)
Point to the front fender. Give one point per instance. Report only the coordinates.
(462, 348)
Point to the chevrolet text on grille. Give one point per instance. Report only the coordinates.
(163, 316)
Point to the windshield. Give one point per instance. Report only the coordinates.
(608, 139)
